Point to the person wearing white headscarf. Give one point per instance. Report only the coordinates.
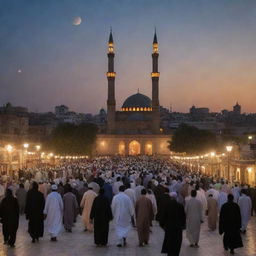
(123, 211)
(54, 213)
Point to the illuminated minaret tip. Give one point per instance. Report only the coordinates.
(110, 42)
(155, 43)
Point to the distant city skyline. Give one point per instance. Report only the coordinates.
(50, 57)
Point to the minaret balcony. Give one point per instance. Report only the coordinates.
(155, 74)
(111, 74)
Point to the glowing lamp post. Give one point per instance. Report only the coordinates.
(38, 147)
(250, 139)
(212, 162)
(9, 149)
(25, 146)
(229, 149)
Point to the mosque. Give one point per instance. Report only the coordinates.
(134, 129)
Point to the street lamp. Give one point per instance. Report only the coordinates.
(26, 145)
(9, 149)
(38, 147)
(229, 149)
(212, 163)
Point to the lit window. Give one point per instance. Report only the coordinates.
(138, 109)
(134, 109)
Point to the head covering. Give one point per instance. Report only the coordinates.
(173, 194)
(54, 187)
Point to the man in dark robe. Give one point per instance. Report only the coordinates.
(101, 214)
(34, 212)
(161, 199)
(230, 225)
(173, 221)
(71, 208)
(108, 191)
(9, 214)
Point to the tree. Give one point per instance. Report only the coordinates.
(70, 139)
(192, 140)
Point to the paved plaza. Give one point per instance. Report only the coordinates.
(80, 243)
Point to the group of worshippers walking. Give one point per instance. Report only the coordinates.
(129, 207)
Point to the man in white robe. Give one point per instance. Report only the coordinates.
(245, 204)
(54, 213)
(236, 193)
(194, 216)
(202, 198)
(131, 193)
(123, 211)
(223, 198)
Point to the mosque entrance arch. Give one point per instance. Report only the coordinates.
(121, 148)
(134, 148)
(149, 148)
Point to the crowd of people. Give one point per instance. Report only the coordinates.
(133, 192)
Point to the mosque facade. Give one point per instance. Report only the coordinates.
(134, 129)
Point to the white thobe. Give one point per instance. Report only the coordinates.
(200, 196)
(122, 210)
(130, 192)
(223, 198)
(153, 201)
(236, 193)
(245, 204)
(54, 211)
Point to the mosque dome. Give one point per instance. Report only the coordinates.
(137, 102)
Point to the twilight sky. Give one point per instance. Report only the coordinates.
(207, 52)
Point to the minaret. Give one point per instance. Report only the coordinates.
(111, 102)
(155, 87)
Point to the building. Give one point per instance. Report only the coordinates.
(237, 109)
(61, 111)
(14, 124)
(134, 128)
